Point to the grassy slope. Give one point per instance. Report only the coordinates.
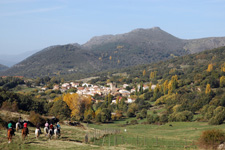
(149, 137)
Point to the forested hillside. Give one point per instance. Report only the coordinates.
(103, 53)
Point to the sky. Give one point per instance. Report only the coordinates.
(31, 25)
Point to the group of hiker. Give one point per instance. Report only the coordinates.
(51, 128)
(23, 125)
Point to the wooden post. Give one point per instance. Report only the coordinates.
(103, 140)
(86, 138)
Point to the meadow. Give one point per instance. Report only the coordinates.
(170, 136)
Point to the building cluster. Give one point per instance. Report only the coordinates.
(90, 89)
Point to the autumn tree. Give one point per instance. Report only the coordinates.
(208, 89)
(210, 67)
(150, 87)
(165, 87)
(222, 81)
(77, 104)
(173, 84)
(144, 72)
(223, 67)
(153, 74)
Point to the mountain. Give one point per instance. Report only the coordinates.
(3, 67)
(140, 46)
(10, 60)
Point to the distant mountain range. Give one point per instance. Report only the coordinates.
(140, 46)
(3, 67)
(10, 60)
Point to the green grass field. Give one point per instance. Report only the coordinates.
(171, 136)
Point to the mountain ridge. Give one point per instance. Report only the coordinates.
(139, 46)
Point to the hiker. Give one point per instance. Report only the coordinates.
(25, 127)
(58, 127)
(10, 132)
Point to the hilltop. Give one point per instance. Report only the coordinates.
(140, 46)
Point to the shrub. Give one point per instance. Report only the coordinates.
(211, 138)
(163, 118)
(181, 116)
(139, 116)
(133, 122)
(36, 118)
(150, 119)
(98, 117)
(144, 113)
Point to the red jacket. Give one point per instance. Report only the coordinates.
(51, 126)
(25, 125)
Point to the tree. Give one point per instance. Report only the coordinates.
(77, 104)
(60, 110)
(144, 72)
(210, 67)
(141, 88)
(173, 84)
(222, 81)
(223, 67)
(208, 89)
(150, 87)
(165, 87)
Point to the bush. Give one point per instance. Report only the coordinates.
(150, 119)
(144, 113)
(181, 116)
(163, 118)
(139, 116)
(211, 138)
(36, 119)
(133, 122)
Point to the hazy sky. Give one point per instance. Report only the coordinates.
(27, 25)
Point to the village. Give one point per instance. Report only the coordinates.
(87, 89)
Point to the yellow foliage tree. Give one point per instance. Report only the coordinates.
(153, 74)
(173, 84)
(223, 67)
(110, 57)
(77, 104)
(208, 89)
(150, 87)
(165, 87)
(118, 61)
(144, 73)
(210, 67)
(222, 81)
